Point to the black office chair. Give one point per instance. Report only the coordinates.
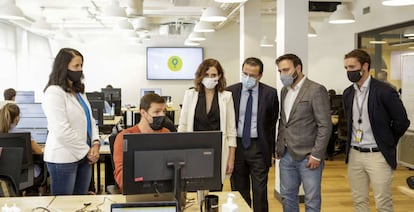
(112, 189)
(39, 187)
(10, 168)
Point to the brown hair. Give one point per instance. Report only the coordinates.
(361, 55)
(58, 76)
(9, 94)
(147, 99)
(8, 114)
(201, 72)
(291, 57)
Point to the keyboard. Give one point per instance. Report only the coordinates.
(108, 117)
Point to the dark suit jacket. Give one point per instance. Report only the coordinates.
(387, 116)
(267, 114)
(309, 126)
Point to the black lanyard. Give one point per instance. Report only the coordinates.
(360, 107)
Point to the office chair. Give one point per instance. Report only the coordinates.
(39, 187)
(112, 189)
(10, 167)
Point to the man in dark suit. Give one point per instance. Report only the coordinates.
(304, 131)
(256, 106)
(376, 119)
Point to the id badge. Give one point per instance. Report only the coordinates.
(358, 137)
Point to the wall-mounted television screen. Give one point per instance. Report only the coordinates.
(173, 63)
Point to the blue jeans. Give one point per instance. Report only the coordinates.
(292, 174)
(70, 178)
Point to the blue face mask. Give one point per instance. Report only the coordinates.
(288, 79)
(248, 82)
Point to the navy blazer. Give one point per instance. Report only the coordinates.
(267, 115)
(387, 116)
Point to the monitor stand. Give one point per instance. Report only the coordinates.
(178, 190)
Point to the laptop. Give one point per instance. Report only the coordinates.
(159, 206)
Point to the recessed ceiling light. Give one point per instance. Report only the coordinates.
(397, 2)
(377, 42)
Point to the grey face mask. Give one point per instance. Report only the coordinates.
(288, 79)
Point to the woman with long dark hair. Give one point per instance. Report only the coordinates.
(72, 145)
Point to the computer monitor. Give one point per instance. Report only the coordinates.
(21, 140)
(98, 108)
(112, 93)
(160, 163)
(336, 103)
(162, 206)
(25, 97)
(113, 96)
(31, 110)
(31, 116)
(95, 96)
(39, 135)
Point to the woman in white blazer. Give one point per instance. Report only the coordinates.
(209, 107)
(72, 144)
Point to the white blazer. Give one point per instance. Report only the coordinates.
(227, 121)
(66, 141)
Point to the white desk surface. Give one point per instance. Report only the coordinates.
(103, 202)
(115, 121)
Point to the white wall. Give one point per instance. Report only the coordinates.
(327, 50)
(122, 65)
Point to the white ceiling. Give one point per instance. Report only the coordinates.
(83, 17)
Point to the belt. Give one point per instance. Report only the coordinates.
(251, 139)
(375, 149)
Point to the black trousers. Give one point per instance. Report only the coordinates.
(250, 169)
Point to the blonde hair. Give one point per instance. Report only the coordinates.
(8, 114)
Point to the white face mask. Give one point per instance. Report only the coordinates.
(210, 83)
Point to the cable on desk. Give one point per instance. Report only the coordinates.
(44, 208)
(103, 202)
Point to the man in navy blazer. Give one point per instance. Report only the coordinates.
(253, 160)
(376, 120)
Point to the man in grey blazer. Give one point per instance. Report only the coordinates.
(304, 131)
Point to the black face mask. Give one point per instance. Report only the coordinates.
(157, 122)
(74, 76)
(354, 76)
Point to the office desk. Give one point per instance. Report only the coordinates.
(103, 202)
(115, 121)
(105, 153)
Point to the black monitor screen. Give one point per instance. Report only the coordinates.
(21, 140)
(98, 108)
(112, 93)
(113, 97)
(95, 96)
(150, 159)
(336, 104)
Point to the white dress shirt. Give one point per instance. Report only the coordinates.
(291, 97)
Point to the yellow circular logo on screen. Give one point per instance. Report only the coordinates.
(175, 63)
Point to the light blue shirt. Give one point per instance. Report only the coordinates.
(108, 107)
(243, 102)
(368, 139)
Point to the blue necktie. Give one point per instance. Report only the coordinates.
(247, 121)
